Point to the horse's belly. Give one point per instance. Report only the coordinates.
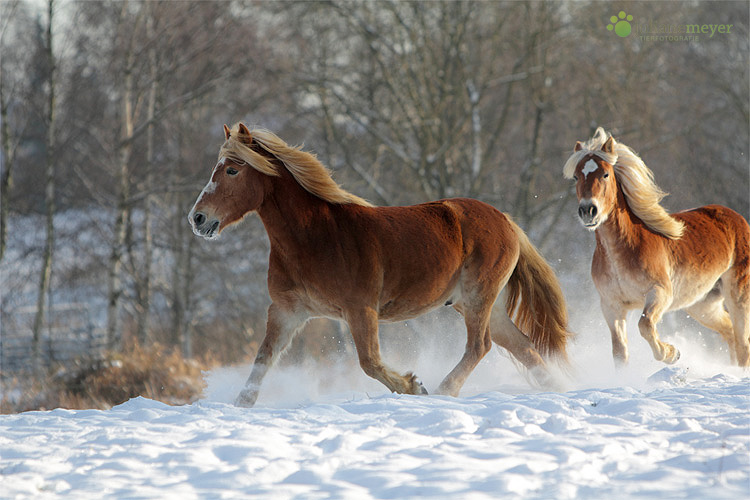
(403, 308)
(687, 292)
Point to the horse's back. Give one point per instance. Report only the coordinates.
(715, 224)
(427, 250)
(462, 221)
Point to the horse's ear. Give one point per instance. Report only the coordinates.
(578, 146)
(245, 135)
(226, 131)
(609, 145)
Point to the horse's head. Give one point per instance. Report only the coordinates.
(235, 189)
(595, 185)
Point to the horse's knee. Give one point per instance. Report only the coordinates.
(644, 322)
(646, 326)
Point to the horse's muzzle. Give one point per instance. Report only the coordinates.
(588, 213)
(203, 226)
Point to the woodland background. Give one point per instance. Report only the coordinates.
(112, 115)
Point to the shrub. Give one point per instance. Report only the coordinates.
(154, 372)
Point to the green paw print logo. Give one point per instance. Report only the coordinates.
(620, 24)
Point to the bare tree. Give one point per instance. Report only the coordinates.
(9, 140)
(49, 193)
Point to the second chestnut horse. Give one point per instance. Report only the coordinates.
(647, 259)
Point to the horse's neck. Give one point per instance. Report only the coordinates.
(622, 226)
(291, 214)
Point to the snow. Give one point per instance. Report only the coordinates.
(675, 436)
(323, 429)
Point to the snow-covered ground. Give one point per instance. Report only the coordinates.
(329, 432)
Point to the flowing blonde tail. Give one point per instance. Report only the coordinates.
(535, 301)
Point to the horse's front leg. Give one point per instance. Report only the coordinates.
(615, 315)
(657, 302)
(363, 324)
(282, 326)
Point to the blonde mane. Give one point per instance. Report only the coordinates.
(637, 181)
(304, 167)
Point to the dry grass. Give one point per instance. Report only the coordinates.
(154, 372)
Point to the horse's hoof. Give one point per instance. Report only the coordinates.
(670, 360)
(415, 385)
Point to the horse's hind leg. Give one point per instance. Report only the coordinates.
(736, 291)
(478, 344)
(507, 335)
(281, 328)
(710, 313)
(363, 325)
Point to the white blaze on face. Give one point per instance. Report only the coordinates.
(589, 167)
(210, 188)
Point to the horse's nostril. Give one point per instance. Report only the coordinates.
(199, 218)
(587, 211)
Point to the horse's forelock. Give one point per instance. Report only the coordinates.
(236, 147)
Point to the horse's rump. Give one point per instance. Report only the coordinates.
(716, 237)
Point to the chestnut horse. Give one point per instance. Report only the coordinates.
(335, 255)
(645, 258)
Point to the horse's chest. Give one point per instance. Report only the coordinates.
(616, 277)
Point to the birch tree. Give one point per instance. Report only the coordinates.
(49, 193)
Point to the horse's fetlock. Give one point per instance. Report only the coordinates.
(416, 386)
(371, 368)
(246, 398)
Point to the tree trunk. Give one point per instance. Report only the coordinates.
(7, 177)
(123, 211)
(144, 293)
(529, 171)
(49, 199)
(8, 150)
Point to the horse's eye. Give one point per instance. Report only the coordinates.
(575, 177)
(232, 171)
(606, 175)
